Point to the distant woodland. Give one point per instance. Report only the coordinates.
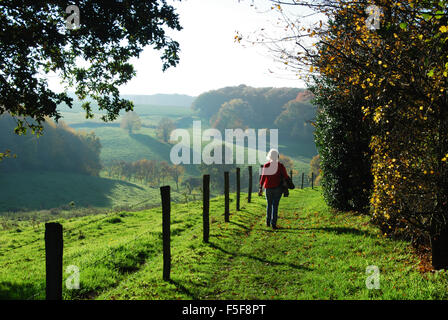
(288, 109)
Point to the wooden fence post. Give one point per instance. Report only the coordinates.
(206, 207)
(249, 194)
(166, 221)
(312, 180)
(238, 188)
(303, 177)
(226, 197)
(53, 260)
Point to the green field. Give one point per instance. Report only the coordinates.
(316, 254)
(118, 144)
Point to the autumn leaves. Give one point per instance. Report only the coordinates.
(396, 77)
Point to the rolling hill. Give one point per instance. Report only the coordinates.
(45, 195)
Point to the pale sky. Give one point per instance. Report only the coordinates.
(209, 57)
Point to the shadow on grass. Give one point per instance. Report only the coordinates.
(162, 150)
(270, 262)
(239, 225)
(45, 190)
(183, 289)
(14, 291)
(336, 230)
(345, 230)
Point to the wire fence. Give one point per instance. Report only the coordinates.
(109, 254)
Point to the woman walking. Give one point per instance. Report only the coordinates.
(271, 178)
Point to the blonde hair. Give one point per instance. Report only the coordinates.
(273, 155)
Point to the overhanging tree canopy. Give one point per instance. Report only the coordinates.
(94, 58)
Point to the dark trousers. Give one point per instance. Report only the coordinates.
(273, 196)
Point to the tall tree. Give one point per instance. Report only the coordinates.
(176, 172)
(342, 139)
(164, 128)
(131, 121)
(287, 162)
(315, 167)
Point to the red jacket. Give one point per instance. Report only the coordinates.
(272, 181)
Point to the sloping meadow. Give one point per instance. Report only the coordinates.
(316, 254)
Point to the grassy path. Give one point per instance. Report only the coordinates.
(315, 254)
(319, 255)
